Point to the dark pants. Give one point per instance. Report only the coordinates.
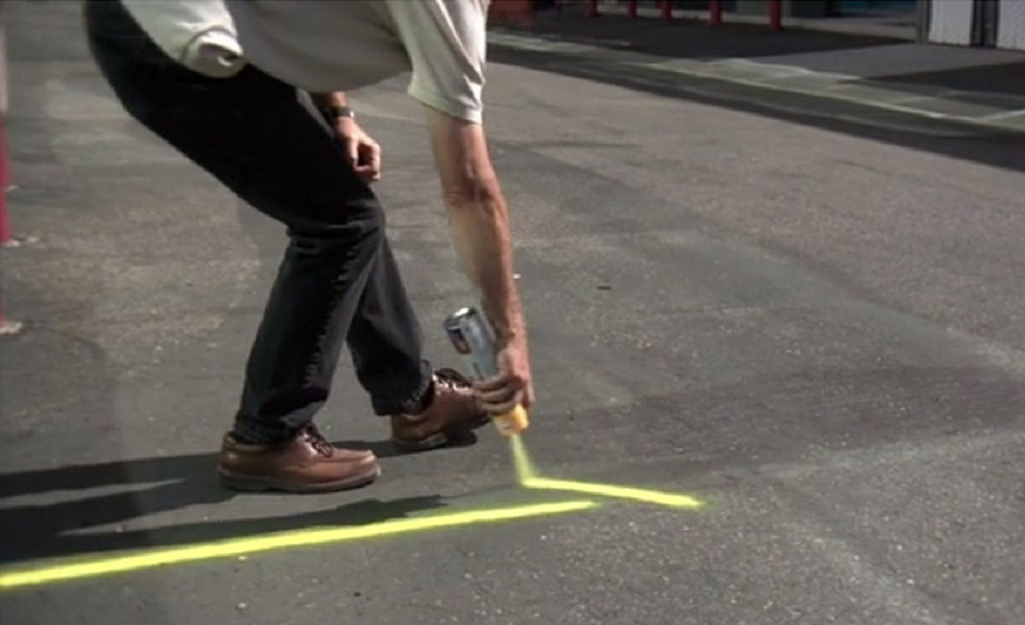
(338, 281)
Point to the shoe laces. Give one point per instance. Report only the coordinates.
(451, 378)
(443, 379)
(316, 440)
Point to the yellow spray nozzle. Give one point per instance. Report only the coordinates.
(512, 423)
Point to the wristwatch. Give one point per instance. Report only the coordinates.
(335, 112)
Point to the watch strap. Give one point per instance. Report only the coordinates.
(335, 112)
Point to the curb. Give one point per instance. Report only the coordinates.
(761, 76)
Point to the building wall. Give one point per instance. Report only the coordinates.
(1011, 24)
(950, 21)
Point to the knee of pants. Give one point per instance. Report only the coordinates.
(364, 229)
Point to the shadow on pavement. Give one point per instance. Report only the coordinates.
(998, 79)
(45, 530)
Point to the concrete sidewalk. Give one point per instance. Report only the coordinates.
(969, 85)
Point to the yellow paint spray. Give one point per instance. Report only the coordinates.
(522, 464)
(527, 476)
(473, 339)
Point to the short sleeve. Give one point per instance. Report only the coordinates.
(446, 41)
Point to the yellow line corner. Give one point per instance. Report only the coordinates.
(612, 491)
(528, 477)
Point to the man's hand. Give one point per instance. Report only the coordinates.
(362, 152)
(513, 385)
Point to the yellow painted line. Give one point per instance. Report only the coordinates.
(268, 542)
(527, 476)
(661, 498)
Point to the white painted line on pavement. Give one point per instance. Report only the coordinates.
(781, 69)
(937, 95)
(814, 92)
(1004, 115)
(800, 110)
(984, 121)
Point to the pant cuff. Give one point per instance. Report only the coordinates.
(413, 402)
(259, 433)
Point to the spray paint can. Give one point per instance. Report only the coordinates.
(472, 338)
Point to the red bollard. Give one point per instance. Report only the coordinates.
(631, 8)
(667, 9)
(775, 15)
(715, 12)
(592, 8)
(511, 12)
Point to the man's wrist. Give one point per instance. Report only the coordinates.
(333, 106)
(334, 112)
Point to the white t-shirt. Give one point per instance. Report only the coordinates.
(333, 45)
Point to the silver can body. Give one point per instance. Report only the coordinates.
(471, 336)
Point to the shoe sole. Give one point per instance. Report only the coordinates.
(248, 483)
(441, 439)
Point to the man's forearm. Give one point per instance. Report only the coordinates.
(479, 218)
(481, 230)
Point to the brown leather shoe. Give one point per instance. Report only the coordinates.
(305, 464)
(453, 413)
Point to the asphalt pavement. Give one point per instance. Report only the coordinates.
(802, 312)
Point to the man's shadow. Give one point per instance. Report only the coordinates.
(46, 530)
